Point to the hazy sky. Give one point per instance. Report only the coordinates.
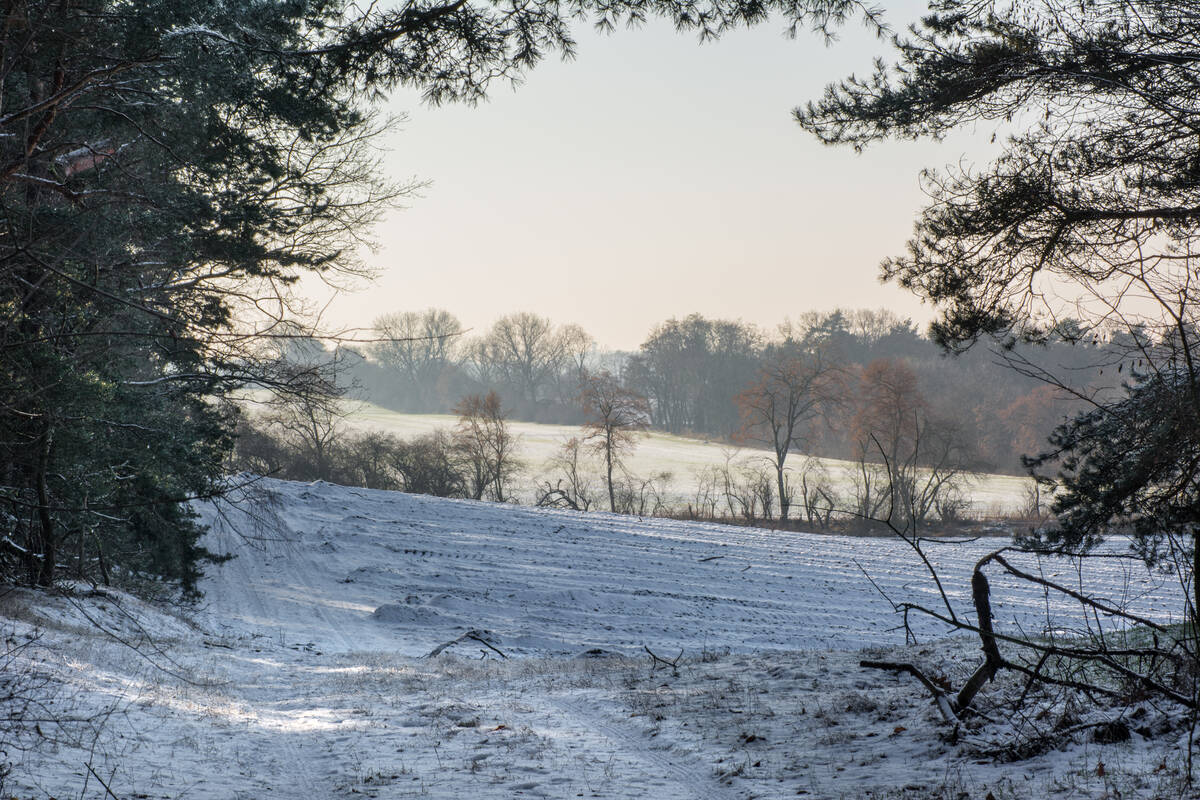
(651, 177)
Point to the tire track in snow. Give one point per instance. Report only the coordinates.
(283, 754)
(300, 568)
(294, 766)
(633, 745)
(297, 764)
(290, 564)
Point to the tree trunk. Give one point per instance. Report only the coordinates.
(612, 496)
(981, 595)
(784, 500)
(45, 537)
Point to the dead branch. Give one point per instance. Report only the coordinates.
(1103, 608)
(107, 790)
(469, 636)
(658, 661)
(912, 539)
(1072, 653)
(939, 694)
(475, 638)
(992, 662)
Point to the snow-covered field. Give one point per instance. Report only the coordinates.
(305, 671)
(658, 452)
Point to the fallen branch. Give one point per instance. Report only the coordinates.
(939, 694)
(994, 662)
(657, 660)
(472, 636)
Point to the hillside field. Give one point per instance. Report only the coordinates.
(377, 644)
(683, 457)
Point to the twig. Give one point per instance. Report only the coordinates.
(102, 783)
(867, 575)
(137, 648)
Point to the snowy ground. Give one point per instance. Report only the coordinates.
(681, 456)
(304, 672)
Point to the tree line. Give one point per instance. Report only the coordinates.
(797, 393)
(694, 373)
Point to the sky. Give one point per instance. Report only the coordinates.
(649, 178)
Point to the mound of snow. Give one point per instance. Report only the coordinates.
(401, 614)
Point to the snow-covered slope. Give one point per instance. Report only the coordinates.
(354, 569)
(303, 674)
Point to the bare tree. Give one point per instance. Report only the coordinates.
(310, 423)
(577, 345)
(420, 347)
(793, 386)
(487, 446)
(312, 426)
(911, 462)
(643, 496)
(573, 486)
(616, 417)
(370, 460)
(873, 325)
(429, 464)
(707, 493)
(747, 485)
(817, 493)
(524, 352)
